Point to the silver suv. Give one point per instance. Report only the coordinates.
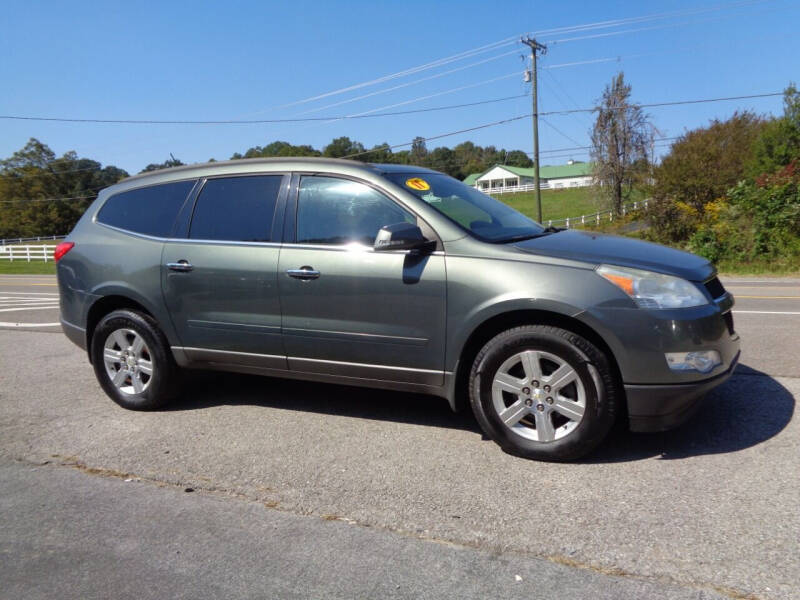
(392, 277)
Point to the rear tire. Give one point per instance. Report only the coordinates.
(133, 362)
(543, 393)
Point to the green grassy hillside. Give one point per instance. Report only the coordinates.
(559, 204)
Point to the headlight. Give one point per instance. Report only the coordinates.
(653, 290)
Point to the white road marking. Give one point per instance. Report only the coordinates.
(4, 324)
(29, 308)
(764, 312)
(48, 294)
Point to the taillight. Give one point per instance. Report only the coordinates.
(62, 249)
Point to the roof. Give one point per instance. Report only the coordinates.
(472, 178)
(578, 169)
(243, 165)
(309, 160)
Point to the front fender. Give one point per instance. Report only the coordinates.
(499, 305)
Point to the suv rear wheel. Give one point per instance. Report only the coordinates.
(132, 361)
(543, 392)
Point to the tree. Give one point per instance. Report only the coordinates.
(278, 148)
(418, 151)
(700, 168)
(171, 162)
(42, 195)
(342, 147)
(779, 141)
(620, 139)
(518, 158)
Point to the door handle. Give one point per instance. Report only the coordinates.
(183, 266)
(304, 273)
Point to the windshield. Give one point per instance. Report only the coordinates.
(484, 217)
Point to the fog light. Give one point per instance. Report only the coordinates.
(701, 360)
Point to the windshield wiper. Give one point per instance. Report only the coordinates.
(529, 236)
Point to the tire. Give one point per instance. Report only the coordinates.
(543, 393)
(126, 344)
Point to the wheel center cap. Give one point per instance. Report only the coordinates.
(130, 361)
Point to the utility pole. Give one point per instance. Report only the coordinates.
(535, 47)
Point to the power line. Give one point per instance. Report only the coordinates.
(657, 104)
(557, 130)
(384, 114)
(51, 173)
(510, 40)
(50, 199)
(436, 137)
(260, 121)
(410, 83)
(663, 26)
(410, 71)
(442, 93)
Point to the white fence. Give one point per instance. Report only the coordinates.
(596, 218)
(27, 253)
(513, 189)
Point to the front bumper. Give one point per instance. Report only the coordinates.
(661, 407)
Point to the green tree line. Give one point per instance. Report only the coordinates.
(41, 194)
(730, 191)
(458, 162)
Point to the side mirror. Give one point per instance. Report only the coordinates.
(402, 236)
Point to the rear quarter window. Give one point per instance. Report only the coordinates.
(150, 211)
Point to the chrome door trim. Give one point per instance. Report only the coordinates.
(230, 357)
(366, 371)
(357, 337)
(249, 328)
(310, 366)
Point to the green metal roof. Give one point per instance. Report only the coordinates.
(578, 169)
(472, 178)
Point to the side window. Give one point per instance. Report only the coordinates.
(149, 210)
(237, 209)
(339, 211)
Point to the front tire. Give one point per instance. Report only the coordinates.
(132, 361)
(543, 393)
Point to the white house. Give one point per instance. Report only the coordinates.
(501, 177)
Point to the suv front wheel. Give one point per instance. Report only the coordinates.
(133, 362)
(543, 392)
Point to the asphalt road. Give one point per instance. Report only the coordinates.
(310, 490)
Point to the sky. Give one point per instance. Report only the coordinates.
(197, 60)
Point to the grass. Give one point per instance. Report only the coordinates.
(556, 204)
(768, 269)
(23, 267)
(560, 204)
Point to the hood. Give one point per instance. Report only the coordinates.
(597, 248)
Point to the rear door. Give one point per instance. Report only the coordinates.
(220, 282)
(348, 310)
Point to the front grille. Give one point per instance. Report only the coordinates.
(714, 287)
(728, 321)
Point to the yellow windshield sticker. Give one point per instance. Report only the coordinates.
(415, 183)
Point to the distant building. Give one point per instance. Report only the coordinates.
(501, 177)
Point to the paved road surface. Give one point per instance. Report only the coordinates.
(282, 468)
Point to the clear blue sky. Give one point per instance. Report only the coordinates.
(233, 60)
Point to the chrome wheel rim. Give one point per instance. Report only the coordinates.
(128, 361)
(539, 396)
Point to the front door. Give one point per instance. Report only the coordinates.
(348, 310)
(220, 283)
